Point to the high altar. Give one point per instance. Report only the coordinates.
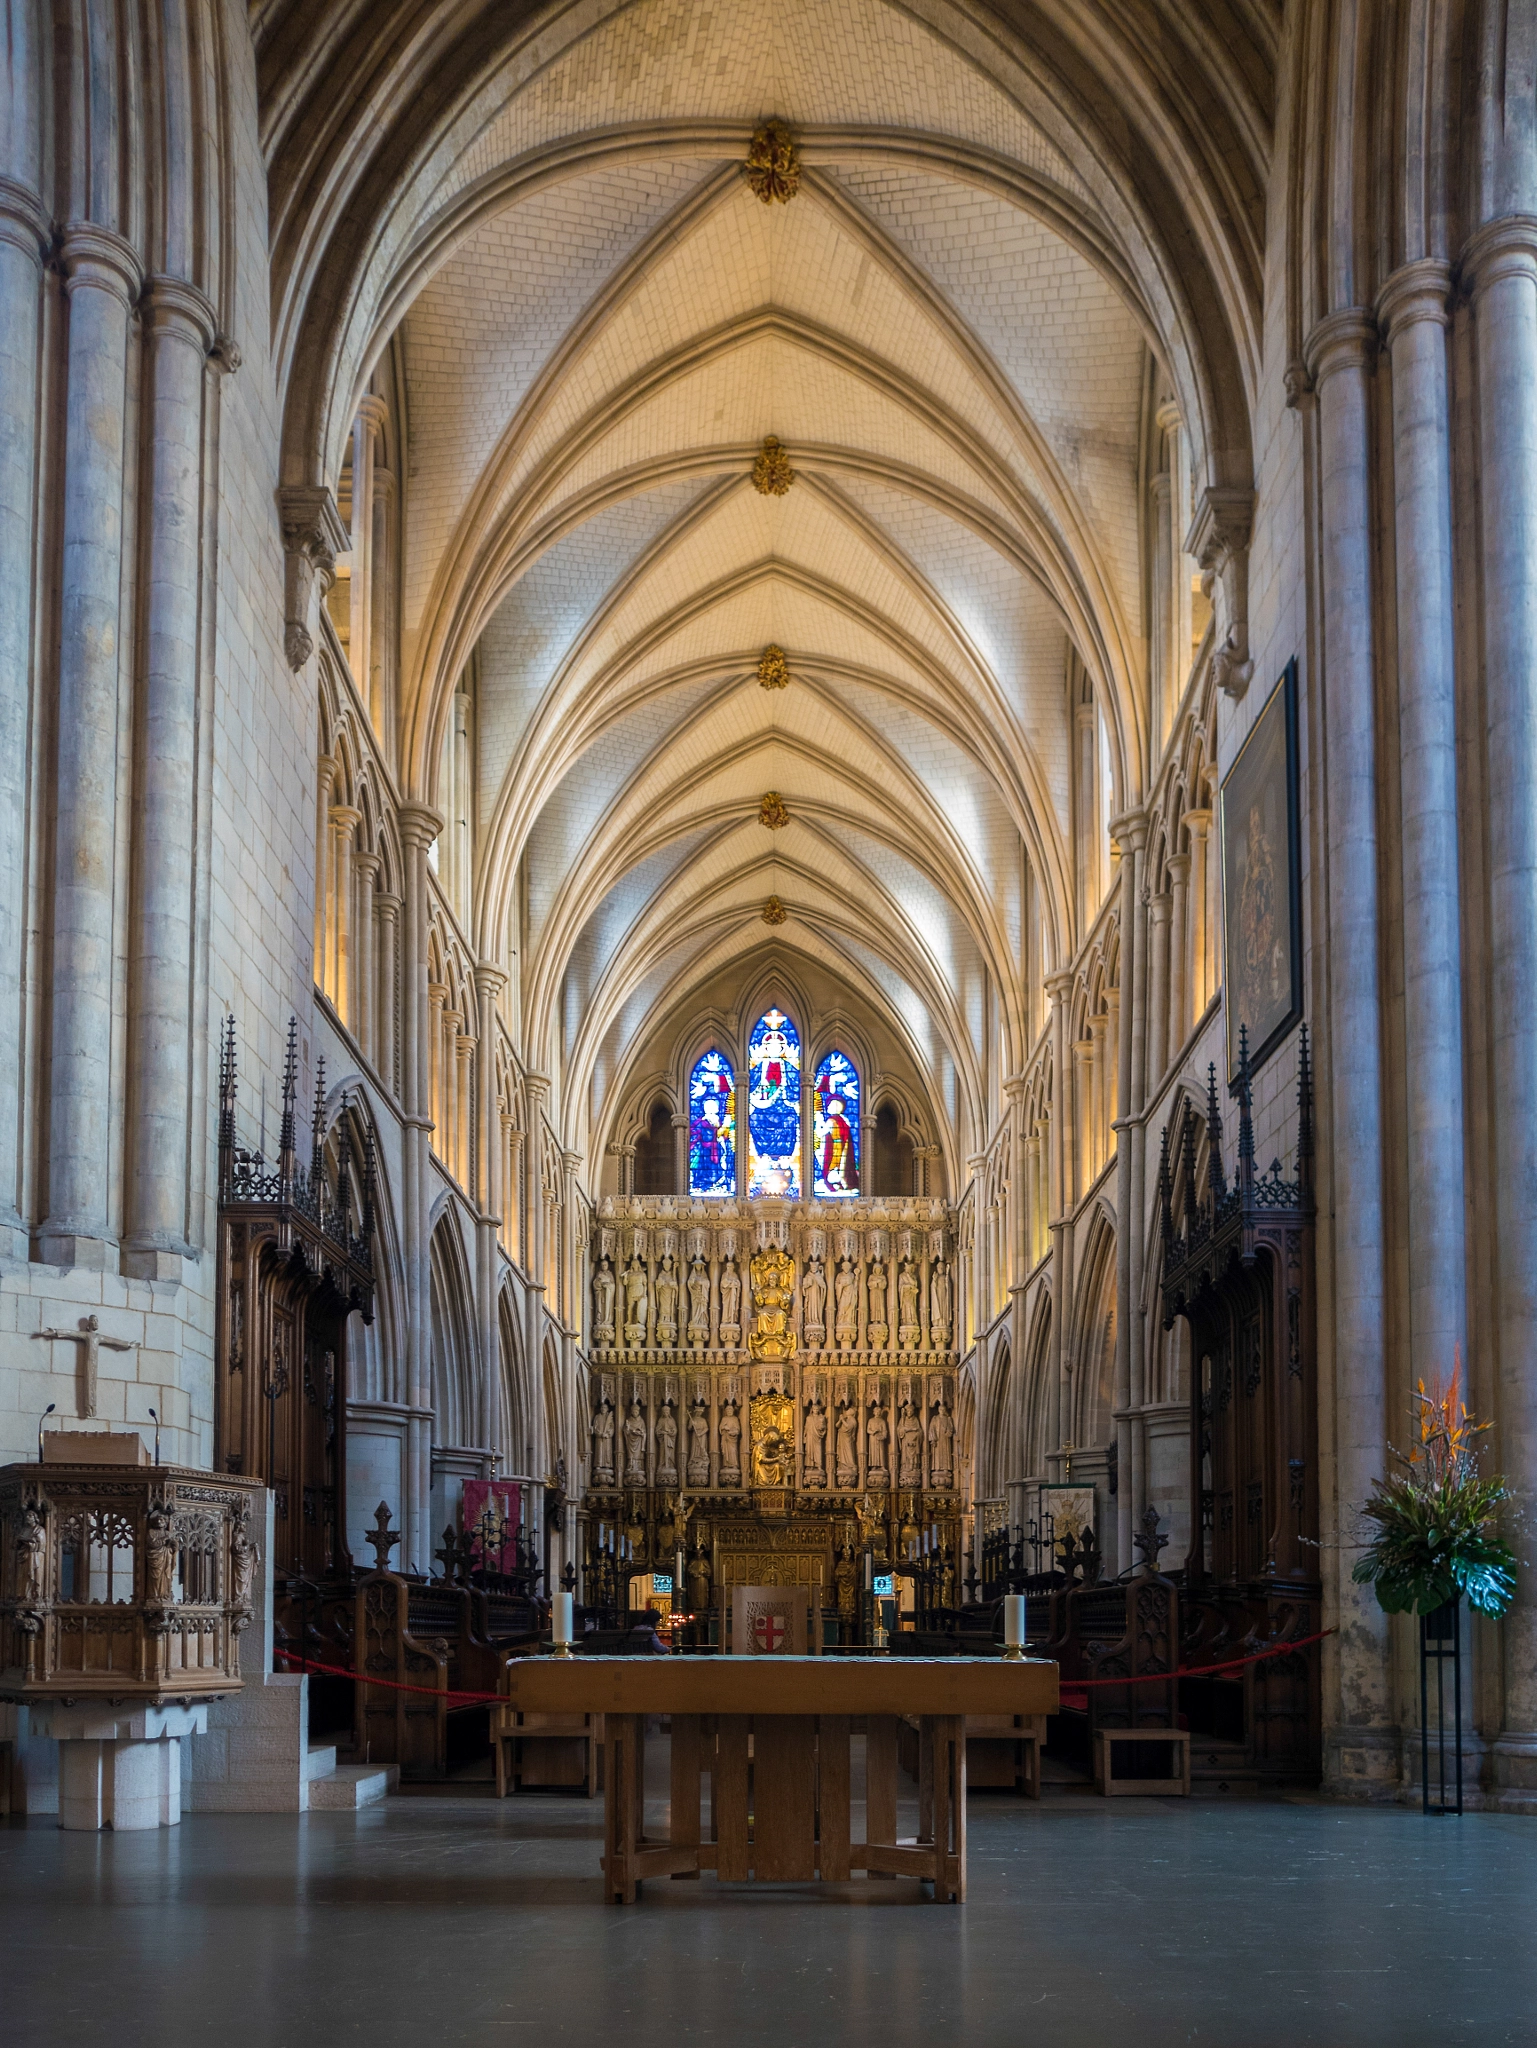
(773, 1393)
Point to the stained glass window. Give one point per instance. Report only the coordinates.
(835, 1127)
(774, 1107)
(712, 1127)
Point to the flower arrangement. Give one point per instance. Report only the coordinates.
(1435, 1518)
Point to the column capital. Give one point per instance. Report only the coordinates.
(418, 825)
(172, 308)
(1016, 1087)
(387, 903)
(1178, 865)
(98, 256)
(1198, 818)
(372, 411)
(537, 1087)
(465, 1042)
(1499, 249)
(24, 221)
(1415, 293)
(490, 979)
(437, 993)
(366, 863)
(1158, 907)
(1129, 830)
(1346, 340)
(345, 817)
(1168, 419)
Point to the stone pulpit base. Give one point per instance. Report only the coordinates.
(120, 1767)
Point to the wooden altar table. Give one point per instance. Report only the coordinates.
(773, 1734)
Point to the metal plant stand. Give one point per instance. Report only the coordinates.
(1441, 1645)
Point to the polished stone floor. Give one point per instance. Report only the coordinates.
(448, 1918)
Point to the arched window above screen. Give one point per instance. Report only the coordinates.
(712, 1126)
(835, 1128)
(774, 1107)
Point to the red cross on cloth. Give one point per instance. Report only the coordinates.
(768, 1631)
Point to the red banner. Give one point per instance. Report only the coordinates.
(491, 1509)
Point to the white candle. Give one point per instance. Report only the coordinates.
(561, 1631)
(1014, 1621)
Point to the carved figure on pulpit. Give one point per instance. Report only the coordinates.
(160, 1559)
(846, 1296)
(730, 1303)
(814, 1302)
(666, 1446)
(603, 1444)
(698, 1304)
(814, 1445)
(667, 1302)
(939, 1305)
(637, 1304)
(730, 1432)
(603, 1302)
(909, 1447)
(877, 1436)
(877, 1302)
(699, 1445)
(635, 1445)
(941, 1446)
(31, 1550)
(242, 1573)
(907, 1299)
(846, 1445)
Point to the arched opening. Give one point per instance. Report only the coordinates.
(656, 1154)
(892, 1154)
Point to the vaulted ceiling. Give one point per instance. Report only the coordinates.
(952, 327)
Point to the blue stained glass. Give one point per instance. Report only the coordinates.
(712, 1127)
(835, 1127)
(774, 1107)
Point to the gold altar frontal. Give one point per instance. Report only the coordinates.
(773, 1734)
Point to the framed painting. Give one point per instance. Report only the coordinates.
(1262, 881)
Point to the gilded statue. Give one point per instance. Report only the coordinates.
(773, 1440)
(773, 1279)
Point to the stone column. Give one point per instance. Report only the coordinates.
(489, 983)
(1158, 1034)
(437, 1083)
(179, 325)
(382, 625)
(418, 826)
(1361, 1747)
(372, 413)
(365, 1007)
(101, 277)
(1101, 1085)
(536, 1223)
(1160, 638)
(1062, 1172)
(1198, 985)
(24, 236)
(1500, 265)
(325, 777)
(1413, 311)
(386, 908)
(464, 1100)
(680, 1150)
(345, 820)
(1130, 831)
(1179, 954)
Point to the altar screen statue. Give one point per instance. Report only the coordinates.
(635, 1446)
(667, 1302)
(699, 1445)
(814, 1445)
(814, 1302)
(603, 1299)
(637, 1303)
(941, 1447)
(939, 1304)
(877, 1431)
(877, 1300)
(730, 1298)
(847, 1447)
(698, 1304)
(909, 1448)
(846, 1289)
(730, 1428)
(666, 1446)
(603, 1443)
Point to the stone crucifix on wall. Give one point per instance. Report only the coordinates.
(90, 1340)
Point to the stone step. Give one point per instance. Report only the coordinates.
(354, 1785)
(320, 1760)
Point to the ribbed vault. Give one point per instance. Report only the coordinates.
(954, 327)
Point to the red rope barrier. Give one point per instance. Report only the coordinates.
(449, 1697)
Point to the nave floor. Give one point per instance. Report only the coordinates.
(434, 1920)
